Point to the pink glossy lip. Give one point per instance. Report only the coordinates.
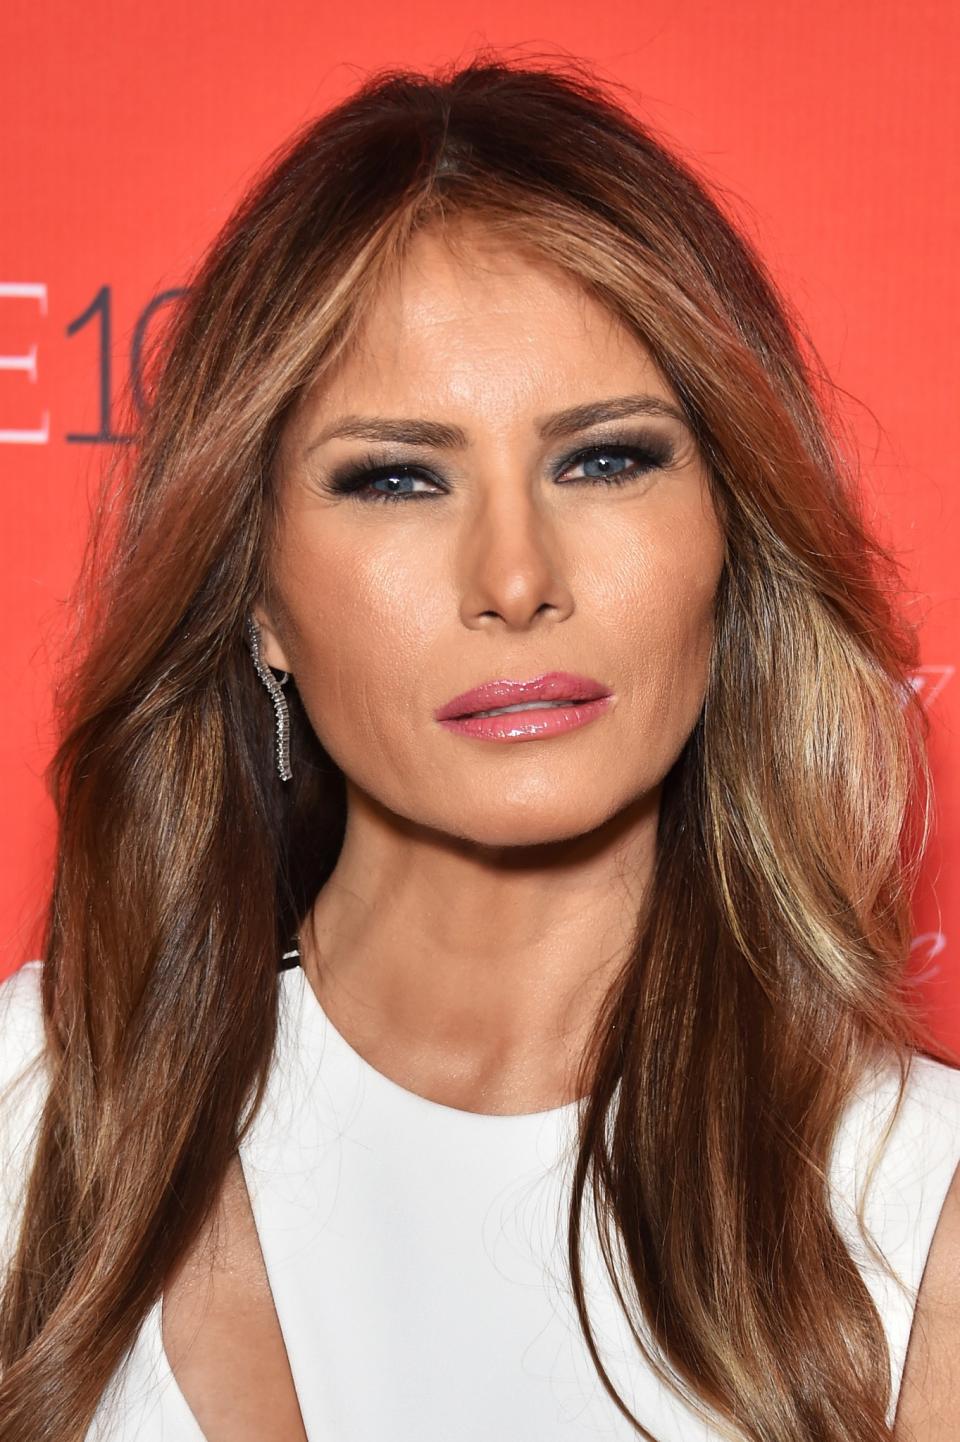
(554, 686)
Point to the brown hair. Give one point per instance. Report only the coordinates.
(769, 966)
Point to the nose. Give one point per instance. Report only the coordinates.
(513, 565)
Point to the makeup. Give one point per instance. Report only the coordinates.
(543, 706)
(530, 723)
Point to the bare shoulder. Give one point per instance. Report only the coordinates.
(929, 1404)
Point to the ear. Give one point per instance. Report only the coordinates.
(271, 647)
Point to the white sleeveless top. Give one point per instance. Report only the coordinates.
(416, 1252)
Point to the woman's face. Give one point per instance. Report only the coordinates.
(507, 554)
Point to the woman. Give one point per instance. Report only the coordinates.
(590, 1034)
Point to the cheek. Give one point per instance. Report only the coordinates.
(659, 601)
(365, 623)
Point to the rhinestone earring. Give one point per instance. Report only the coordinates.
(281, 710)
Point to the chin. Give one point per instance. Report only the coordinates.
(506, 826)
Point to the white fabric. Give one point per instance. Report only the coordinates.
(416, 1253)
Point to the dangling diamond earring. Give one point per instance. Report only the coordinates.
(276, 696)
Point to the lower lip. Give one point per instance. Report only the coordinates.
(529, 725)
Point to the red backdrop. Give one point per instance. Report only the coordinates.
(129, 131)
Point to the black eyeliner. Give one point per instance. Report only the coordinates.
(653, 449)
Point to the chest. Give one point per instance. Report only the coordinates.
(383, 1266)
(416, 1256)
(409, 1310)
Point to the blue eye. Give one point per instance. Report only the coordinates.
(359, 478)
(650, 457)
(354, 480)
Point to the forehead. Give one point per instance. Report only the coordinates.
(467, 312)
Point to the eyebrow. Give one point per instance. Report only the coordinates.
(550, 428)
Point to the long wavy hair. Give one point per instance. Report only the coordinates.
(770, 965)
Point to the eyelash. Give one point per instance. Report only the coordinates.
(350, 479)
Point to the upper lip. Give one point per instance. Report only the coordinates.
(553, 686)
